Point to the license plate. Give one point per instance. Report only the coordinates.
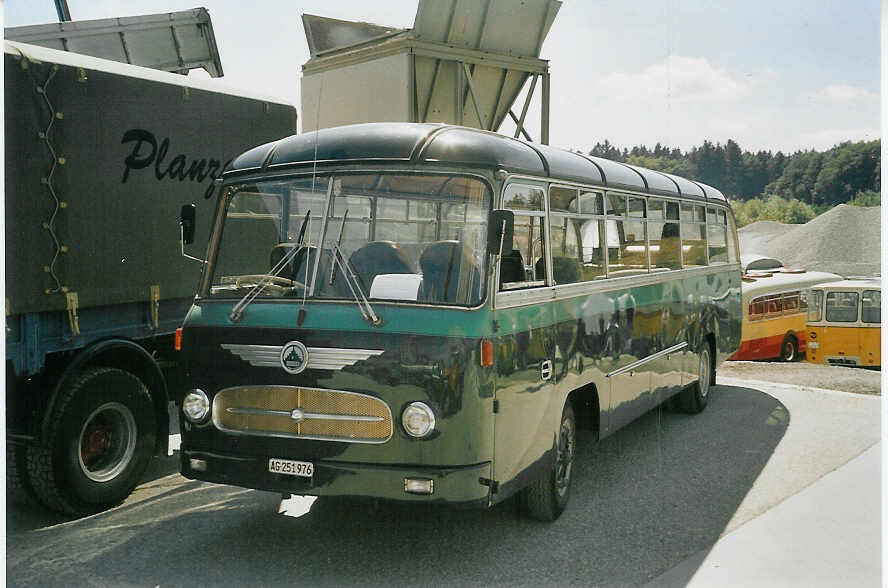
(289, 467)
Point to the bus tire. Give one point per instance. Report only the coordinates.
(694, 398)
(546, 497)
(101, 438)
(789, 350)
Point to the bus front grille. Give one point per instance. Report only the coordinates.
(302, 413)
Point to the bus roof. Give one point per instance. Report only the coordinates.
(784, 282)
(856, 284)
(439, 143)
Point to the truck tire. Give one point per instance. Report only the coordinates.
(546, 498)
(18, 486)
(101, 438)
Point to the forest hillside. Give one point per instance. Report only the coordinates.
(765, 185)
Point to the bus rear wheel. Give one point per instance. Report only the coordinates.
(101, 437)
(546, 498)
(694, 398)
(789, 351)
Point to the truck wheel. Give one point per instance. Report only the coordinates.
(546, 497)
(18, 486)
(789, 351)
(694, 398)
(101, 437)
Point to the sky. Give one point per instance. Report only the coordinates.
(772, 75)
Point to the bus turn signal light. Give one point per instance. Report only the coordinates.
(486, 353)
(178, 342)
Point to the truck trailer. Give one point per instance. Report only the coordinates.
(101, 157)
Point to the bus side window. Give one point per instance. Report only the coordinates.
(871, 310)
(693, 236)
(566, 261)
(815, 302)
(630, 256)
(756, 309)
(718, 247)
(791, 302)
(526, 266)
(733, 249)
(591, 232)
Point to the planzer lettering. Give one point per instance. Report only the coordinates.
(147, 151)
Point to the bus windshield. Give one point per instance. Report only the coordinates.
(396, 237)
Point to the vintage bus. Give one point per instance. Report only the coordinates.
(424, 312)
(774, 313)
(845, 323)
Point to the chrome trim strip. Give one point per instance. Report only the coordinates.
(319, 358)
(305, 415)
(635, 364)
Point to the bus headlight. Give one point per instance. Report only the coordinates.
(196, 406)
(418, 419)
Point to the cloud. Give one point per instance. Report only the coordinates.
(824, 139)
(683, 100)
(681, 79)
(840, 94)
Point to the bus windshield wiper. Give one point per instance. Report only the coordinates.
(348, 273)
(237, 312)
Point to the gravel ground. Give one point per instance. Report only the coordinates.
(802, 373)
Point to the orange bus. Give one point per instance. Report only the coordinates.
(845, 323)
(774, 313)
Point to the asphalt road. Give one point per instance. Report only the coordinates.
(647, 500)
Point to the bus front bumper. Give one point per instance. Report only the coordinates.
(464, 485)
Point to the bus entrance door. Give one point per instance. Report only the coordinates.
(525, 418)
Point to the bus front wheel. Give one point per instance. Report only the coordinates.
(546, 498)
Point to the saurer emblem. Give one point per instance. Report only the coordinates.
(294, 357)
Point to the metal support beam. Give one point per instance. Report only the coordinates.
(520, 128)
(428, 101)
(459, 94)
(520, 121)
(465, 68)
(413, 96)
(544, 117)
(62, 10)
(499, 98)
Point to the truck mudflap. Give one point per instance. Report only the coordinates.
(458, 485)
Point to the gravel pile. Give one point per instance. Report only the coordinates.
(843, 240)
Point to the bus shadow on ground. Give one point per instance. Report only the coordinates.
(643, 500)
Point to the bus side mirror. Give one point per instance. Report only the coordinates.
(501, 231)
(187, 223)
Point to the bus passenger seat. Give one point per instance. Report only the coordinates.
(291, 270)
(378, 257)
(565, 270)
(449, 275)
(511, 268)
